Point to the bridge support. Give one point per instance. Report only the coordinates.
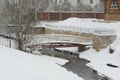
(96, 43)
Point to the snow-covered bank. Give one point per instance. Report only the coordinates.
(16, 65)
(99, 61)
(59, 61)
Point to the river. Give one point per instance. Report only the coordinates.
(78, 66)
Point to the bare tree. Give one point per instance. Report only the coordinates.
(21, 17)
(79, 5)
(42, 4)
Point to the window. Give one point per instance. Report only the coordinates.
(113, 5)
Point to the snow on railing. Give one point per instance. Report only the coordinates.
(99, 31)
(46, 38)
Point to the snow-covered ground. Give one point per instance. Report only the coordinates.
(17, 65)
(58, 61)
(99, 61)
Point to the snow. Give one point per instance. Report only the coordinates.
(98, 27)
(46, 38)
(71, 49)
(17, 65)
(79, 22)
(59, 61)
(98, 60)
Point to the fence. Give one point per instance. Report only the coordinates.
(53, 16)
(4, 42)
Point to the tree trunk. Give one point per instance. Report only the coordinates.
(20, 44)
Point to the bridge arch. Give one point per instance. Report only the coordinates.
(49, 38)
(61, 40)
(76, 35)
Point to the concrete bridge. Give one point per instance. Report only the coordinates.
(49, 38)
(60, 40)
(54, 36)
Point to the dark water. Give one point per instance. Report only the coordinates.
(79, 67)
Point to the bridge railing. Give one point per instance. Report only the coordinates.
(99, 31)
(45, 38)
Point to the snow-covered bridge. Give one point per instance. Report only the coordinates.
(60, 41)
(96, 33)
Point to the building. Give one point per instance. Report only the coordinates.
(63, 9)
(112, 10)
(54, 10)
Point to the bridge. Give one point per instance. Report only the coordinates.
(60, 41)
(54, 36)
(48, 38)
